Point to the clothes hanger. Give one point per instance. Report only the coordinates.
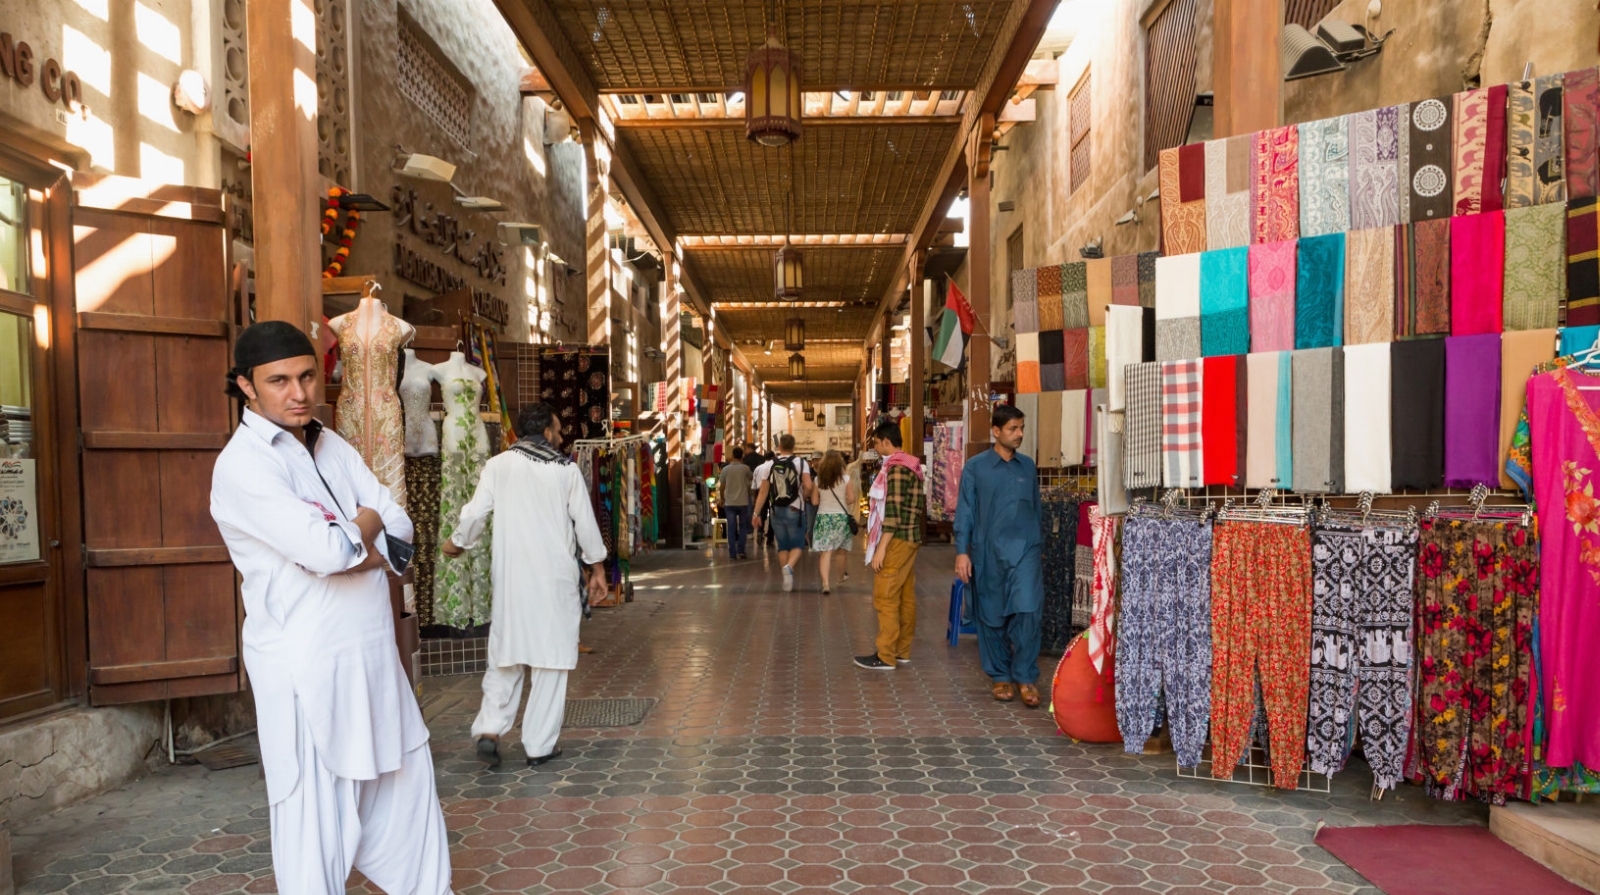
(1476, 510)
(1584, 359)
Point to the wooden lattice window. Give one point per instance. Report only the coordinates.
(1078, 133)
(433, 83)
(1169, 78)
(1307, 13)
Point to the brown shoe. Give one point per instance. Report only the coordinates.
(585, 649)
(1030, 695)
(1003, 692)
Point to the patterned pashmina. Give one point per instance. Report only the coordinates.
(1535, 266)
(1319, 421)
(1366, 418)
(1142, 457)
(1125, 280)
(1147, 279)
(1477, 273)
(1478, 125)
(1580, 119)
(1472, 411)
(1098, 271)
(1275, 185)
(1261, 451)
(1183, 200)
(1074, 295)
(1050, 298)
(1177, 339)
(1375, 167)
(1075, 358)
(1027, 363)
(1219, 428)
(1097, 357)
(1319, 292)
(1422, 279)
(1369, 286)
(1272, 276)
(1324, 177)
(1225, 302)
(1103, 533)
(1228, 192)
(1124, 345)
(1521, 354)
(1426, 191)
(1533, 138)
(1074, 437)
(1052, 375)
(1181, 445)
(1416, 414)
(1583, 263)
(1025, 300)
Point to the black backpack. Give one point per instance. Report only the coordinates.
(785, 479)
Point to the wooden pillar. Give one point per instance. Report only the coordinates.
(884, 352)
(283, 123)
(1246, 72)
(597, 254)
(917, 372)
(979, 256)
(672, 335)
(749, 409)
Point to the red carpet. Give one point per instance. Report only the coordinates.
(1433, 860)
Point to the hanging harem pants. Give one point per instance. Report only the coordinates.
(1260, 624)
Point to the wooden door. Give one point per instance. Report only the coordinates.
(153, 352)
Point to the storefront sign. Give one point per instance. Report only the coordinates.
(19, 514)
(446, 233)
(412, 267)
(17, 63)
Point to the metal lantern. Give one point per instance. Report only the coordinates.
(806, 405)
(822, 419)
(788, 272)
(772, 95)
(794, 334)
(810, 414)
(797, 366)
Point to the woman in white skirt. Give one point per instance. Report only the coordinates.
(836, 496)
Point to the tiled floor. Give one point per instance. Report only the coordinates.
(770, 763)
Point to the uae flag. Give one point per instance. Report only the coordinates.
(955, 325)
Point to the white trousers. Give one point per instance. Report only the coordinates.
(391, 829)
(547, 703)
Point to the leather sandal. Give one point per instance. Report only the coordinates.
(1030, 695)
(1004, 692)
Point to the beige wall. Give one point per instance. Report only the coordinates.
(1439, 47)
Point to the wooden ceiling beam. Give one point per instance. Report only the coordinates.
(848, 118)
(1020, 34)
(809, 87)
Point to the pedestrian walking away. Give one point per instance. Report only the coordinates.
(734, 486)
(835, 526)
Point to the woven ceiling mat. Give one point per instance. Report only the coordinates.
(683, 45)
(854, 275)
(847, 178)
(787, 392)
(821, 323)
(817, 358)
(591, 713)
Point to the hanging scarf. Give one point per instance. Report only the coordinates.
(880, 494)
(536, 448)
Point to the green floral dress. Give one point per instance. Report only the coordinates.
(462, 587)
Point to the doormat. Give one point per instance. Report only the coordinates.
(227, 755)
(586, 713)
(1438, 860)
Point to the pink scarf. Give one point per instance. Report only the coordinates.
(1102, 635)
(880, 493)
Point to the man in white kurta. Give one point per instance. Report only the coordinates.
(543, 526)
(343, 744)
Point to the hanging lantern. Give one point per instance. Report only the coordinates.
(797, 366)
(822, 419)
(772, 95)
(794, 334)
(806, 405)
(788, 271)
(810, 414)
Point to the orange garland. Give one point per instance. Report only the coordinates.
(348, 232)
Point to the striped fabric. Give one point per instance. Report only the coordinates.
(1583, 263)
(1422, 279)
(1181, 453)
(1142, 427)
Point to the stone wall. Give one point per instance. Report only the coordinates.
(71, 755)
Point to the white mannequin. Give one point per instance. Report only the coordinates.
(451, 376)
(416, 396)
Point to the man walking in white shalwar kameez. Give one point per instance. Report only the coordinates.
(542, 519)
(311, 531)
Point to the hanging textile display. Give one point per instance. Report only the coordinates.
(1479, 593)
(1274, 185)
(1375, 166)
(1366, 418)
(1580, 120)
(1058, 517)
(1221, 381)
(1182, 453)
(1361, 624)
(1272, 300)
(1522, 355)
(1422, 279)
(1471, 407)
(1416, 413)
(1426, 192)
(1074, 359)
(1098, 377)
(1110, 450)
(576, 384)
(1050, 311)
(1083, 569)
(494, 393)
(1324, 177)
(1533, 143)
(1124, 345)
(462, 589)
(1029, 405)
(1102, 630)
(1261, 450)
(1225, 302)
(1477, 273)
(1052, 369)
(1074, 295)
(1142, 430)
(1098, 273)
(1319, 421)
(1025, 300)
(1183, 199)
(1479, 142)
(1535, 267)
(1583, 262)
(1028, 372)
(1074, 427)
(1228, 173)
(1125, 280)
(1261, 623)
(1147, 279)
(1164, 636)
(1319, 292)
(1369, 286)
(1048, 422)
(1178, 307)
(422, 491)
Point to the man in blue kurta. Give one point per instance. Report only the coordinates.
(997, 546)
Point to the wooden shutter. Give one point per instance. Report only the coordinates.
(1079, 118)
(1169, 79)
(153, 350)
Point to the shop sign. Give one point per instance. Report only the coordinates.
(409, 265)
(17, 64)
(19, 515)
(445, 232)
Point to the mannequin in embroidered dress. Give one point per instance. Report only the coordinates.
(368, 413)
(462, 590)
(422, 476)
(416, 397)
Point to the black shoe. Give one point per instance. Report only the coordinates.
(873, 663)
(535, 762)
(744, 556)
(489, 751)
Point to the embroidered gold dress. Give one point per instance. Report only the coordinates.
(368, 412)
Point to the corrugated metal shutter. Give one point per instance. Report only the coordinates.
(1169, 79)
(1307, 13)
(1078, 128)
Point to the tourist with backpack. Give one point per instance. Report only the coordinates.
(785, 485)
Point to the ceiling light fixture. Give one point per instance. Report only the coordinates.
(797, 366)
(773, 104)
(794, 334)
(788, 268)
